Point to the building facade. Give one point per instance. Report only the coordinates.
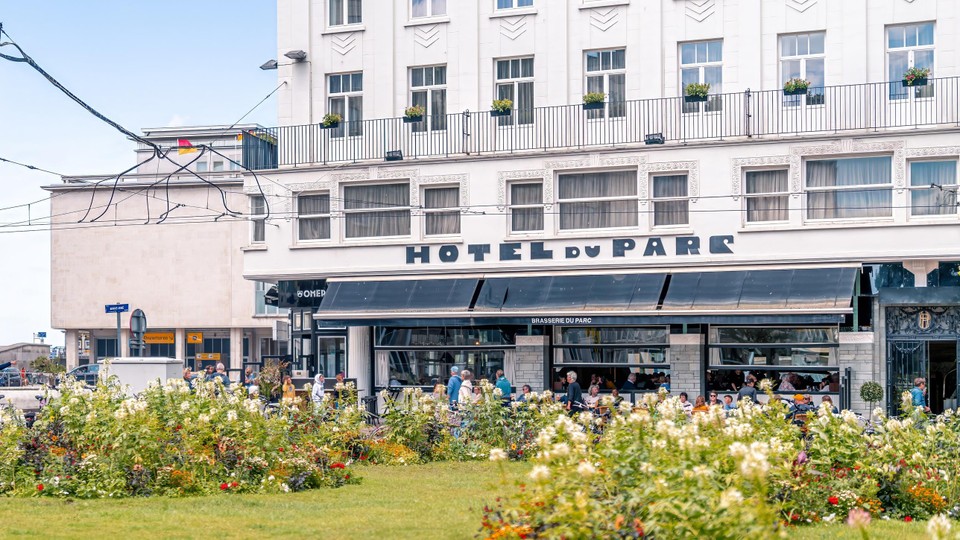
(691, 235)
(167, 240)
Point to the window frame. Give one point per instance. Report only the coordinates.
(441, 210)
(349, 127)
(612, 109)
(654, 199)
(430, 10)
(433, 121)
(355, 211)
(911, 189)
(858, 187)
(747, 196)
(258, 230)
(511, 206)
(327, 216)
(897, 92)
(524, 115)
(714, 103)
(561, 201)
(260, 307)
(815, 94)
(344, 14)
(514, 4)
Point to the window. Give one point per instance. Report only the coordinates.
(933, 188)
(377, 210)
(767, 196)
(909, 46)
(702, 62)
(217, 166)
(201, 166)
(670, 203)
(441, 210)
(607, 356)
(428, 8)
(510, 4)
(598, 200)
(428, 89)
(606, 74)
(801, 57)
(849, 188)
(260, 304)
(346, 99)
(526, 207)
(161, 350)
(106, 348)
(345, 12)
(793, 359)
(424, 356)
(515, 82)
(258, 207)
(313, 217)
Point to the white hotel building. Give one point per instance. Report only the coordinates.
(810, 239)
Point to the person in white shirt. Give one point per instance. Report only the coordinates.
(466, 388)
(316, 395)
(592, 399)
(685, 403)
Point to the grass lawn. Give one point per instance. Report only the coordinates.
(442, 500)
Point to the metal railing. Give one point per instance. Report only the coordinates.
(822, 110)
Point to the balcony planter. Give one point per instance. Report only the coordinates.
(696, 92)
(331, 121)
(413, 114)
(593, 101)
(694, 99)
(917, 81)
(412, 119)
(795, 87)
(796, 92)
(916, 76)
(501, 107)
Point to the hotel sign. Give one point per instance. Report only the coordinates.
(307, 293)
(656, 246)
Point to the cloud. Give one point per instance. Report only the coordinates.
(177, 121)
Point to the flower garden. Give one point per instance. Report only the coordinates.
(646, 471)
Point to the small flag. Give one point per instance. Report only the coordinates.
(185, 147)
(239, 136)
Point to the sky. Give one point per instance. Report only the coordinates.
(141, 64)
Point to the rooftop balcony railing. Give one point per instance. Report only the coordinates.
(871, 107)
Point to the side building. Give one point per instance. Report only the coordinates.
(168, 242)
(647, 196)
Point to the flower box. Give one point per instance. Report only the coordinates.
(412, 119)
(593, 106)
(694, 99)
(795, 92)
(918, 81)
(331, 125)
(495, 112)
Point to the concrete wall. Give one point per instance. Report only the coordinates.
(857, 351)
(529, 362)
(686, 369)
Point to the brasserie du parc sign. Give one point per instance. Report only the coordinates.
(539, 251)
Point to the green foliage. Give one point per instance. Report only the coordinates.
(416, 111)
(871, 392)
(914, 73)
(331, 119)
(45, 364)
(796, 85)
(502, 105)
(697, 89)
(594, 97)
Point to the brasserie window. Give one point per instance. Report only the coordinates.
(610, 354)
(795, 360)
(424, 356)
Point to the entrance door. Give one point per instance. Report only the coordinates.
(942, 383)
(906, 360)
(331, 356)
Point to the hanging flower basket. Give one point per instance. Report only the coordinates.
(413, 114)
(593, 101)
(696, 92)
(331, 121)
(916, 77)
(795, 87)
(501, 107)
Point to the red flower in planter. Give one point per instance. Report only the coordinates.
(833, 500)
(223, 486)
(908, 519)
(39, 487)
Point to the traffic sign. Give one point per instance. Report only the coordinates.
(41, 335)
(116, 308)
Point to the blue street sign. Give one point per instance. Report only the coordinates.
(41, 334)
(116, 308)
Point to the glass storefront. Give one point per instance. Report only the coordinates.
(606, 356)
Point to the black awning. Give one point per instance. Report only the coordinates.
(620, 292)
(398, 296)
(800, 289)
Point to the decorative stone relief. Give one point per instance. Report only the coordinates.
(568, 164)
(801, 5)
(846, 147)
(700, 10)
(388, 172)
(462, 180)
(933, 151)
(692, 169)
(614, 161)
(738, 164)
(604, 20)
(425, 36)
(343, 43)
(513, 27)
(504, 177)
(923, 321)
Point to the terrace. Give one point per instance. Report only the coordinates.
(744, 116)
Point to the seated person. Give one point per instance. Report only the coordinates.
(592, 399)
(617, 398)
(829, 401)
(685, 403)
(700, 405)
(631, 384)
(728, 403)
(714, 400)
(524, 392)
(800, 406)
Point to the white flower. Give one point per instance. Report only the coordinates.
(497, 454)
(730, 498)
(586, 469)
(939, 527)
(540, 473)
(231, 416)
(185, 406)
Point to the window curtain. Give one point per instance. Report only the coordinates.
(526, 219)
(258, 207)
(617, 97)
(354, 11)
(771, 208)
(938, 200)
(419, 8)
(336, 13)
(442, 222)
(315, 228)
(438, 109)
(598, 214)
(524, 103)
(849, 203)
(439, 7)
(670, 212)
(373, 223)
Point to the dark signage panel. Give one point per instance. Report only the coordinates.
(306, 293)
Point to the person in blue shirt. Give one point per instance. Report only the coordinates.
(453, 386)
(504, 385)
(918, 394)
